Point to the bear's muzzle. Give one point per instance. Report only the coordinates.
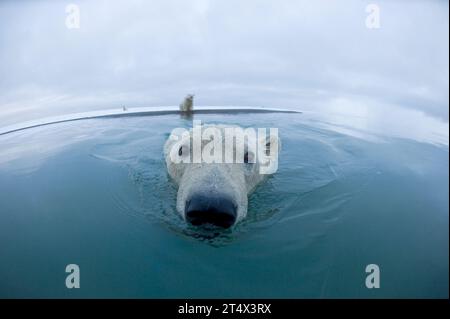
(217, 210)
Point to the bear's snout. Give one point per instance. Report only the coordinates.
(218, 210)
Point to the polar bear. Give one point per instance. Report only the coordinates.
(216, 167)
(188, 104)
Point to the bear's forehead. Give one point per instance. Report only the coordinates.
(229, 136)
(224, 130)
(234, 139)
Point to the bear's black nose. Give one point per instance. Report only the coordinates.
(214, 209)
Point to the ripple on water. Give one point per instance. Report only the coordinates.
(314, 166)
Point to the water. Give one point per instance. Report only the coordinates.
(96, 193)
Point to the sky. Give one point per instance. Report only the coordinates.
(307, 55)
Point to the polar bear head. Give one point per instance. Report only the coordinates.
(216, 167)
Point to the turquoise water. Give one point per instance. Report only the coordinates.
(96, 193)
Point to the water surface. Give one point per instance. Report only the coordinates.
(96, 193)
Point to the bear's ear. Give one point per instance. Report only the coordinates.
(268, 149)
(271, 143)
(177, 137)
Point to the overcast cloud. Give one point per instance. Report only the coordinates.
(294, 54)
